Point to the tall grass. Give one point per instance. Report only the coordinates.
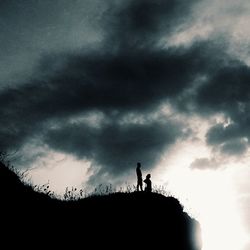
(73, 193)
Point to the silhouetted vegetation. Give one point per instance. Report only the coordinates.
(109, 216)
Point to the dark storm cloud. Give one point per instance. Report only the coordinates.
(227, 87)
(135, 81)
(31, 28)
(115, 147)
(220, 133)
(227, 91)
(142, 23)
(223, 89)
(229, 140)
(129, 72)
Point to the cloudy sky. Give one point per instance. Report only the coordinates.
(90, 87)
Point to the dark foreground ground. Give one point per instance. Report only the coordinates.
(116, 221)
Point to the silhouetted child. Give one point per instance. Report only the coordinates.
(139, 176)
(148, 182)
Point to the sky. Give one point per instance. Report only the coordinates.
(89, 87)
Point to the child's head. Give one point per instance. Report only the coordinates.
(148, 176)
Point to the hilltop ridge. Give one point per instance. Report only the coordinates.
(135, 218)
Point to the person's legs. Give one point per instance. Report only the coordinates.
(139, 184)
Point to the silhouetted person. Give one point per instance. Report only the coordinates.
(139, 176)
(148, 182)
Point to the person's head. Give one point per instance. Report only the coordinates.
(148, 176)
(138, 164)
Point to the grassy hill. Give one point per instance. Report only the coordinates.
(118, 220)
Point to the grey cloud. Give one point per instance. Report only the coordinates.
(204, 163)
(135, 81)
(224, 89)
(113, 146)
(220, 133)
(228, 92)
(235, 147)
(227, 86)
(31, 28)
(231, 140)
(140, 24)
(128, 72)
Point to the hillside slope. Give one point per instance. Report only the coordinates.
(134, 220)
